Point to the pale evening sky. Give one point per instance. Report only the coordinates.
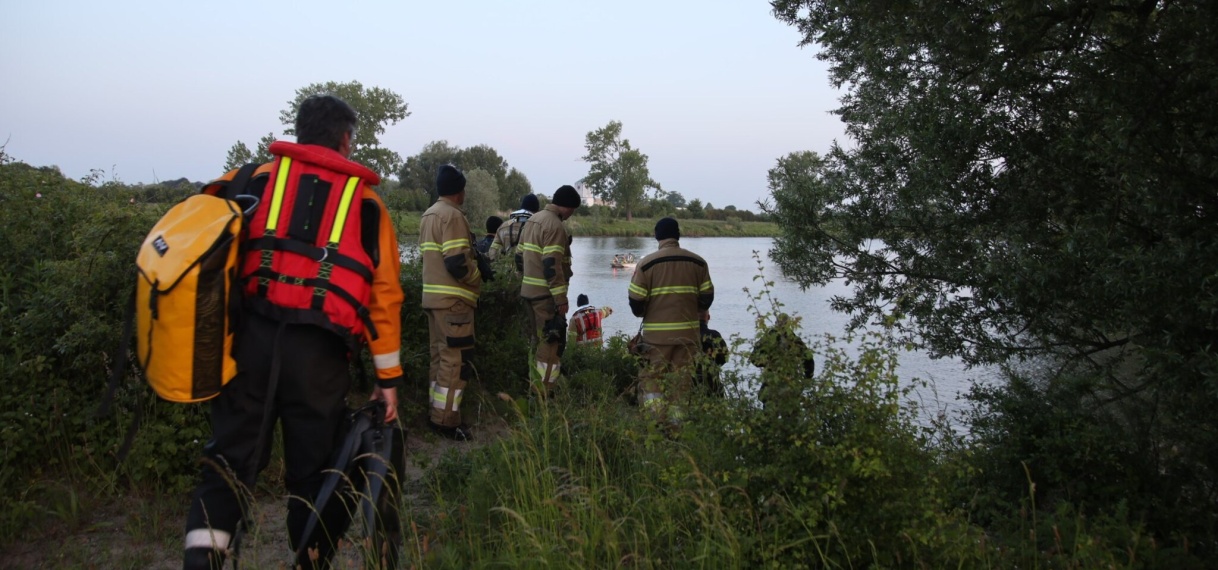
(713, 91)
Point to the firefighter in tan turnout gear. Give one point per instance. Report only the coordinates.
(452, 277)
(671, 289)
(545, 245)
(507, 237)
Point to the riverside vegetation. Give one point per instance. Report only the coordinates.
(830, 472)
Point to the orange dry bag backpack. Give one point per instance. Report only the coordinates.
(186, 294)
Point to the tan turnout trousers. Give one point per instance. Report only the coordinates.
(451, 333)
(547, 363)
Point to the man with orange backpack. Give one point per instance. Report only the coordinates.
(320, 277)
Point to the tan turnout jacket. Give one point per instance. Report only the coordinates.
(450, 270)
(670, 289)
(545, 249)
(509, 234)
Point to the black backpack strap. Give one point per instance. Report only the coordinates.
(120, 370)
(346, 455)
(120, 358)
(236, 186)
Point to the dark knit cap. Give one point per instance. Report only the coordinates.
(667, 228)
(566, 196)
(530, 203)
(493, 223)
(449, 181)
(581, 300)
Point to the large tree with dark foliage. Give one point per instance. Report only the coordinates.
(1030, 179)
(418, 173)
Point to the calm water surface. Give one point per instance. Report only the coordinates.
(734, 268)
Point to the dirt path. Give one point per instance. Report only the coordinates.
(146, 532)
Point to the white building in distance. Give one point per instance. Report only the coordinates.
(586, 198)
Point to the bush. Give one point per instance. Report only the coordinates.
(68, 276)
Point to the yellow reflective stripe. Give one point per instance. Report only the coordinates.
(531, 247)
(429, 246)
(638, 290)
(535, 281)
(450, 290)
(454, 244)
(687, 325)
(281, 182)
(553, 249)
(562, 290)
(344, 206)
(674, 290)
(706, 286)
(652, 399)
(439, 395)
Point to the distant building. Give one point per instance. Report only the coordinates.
(588, 199)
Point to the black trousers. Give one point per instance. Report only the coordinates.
(309, 402)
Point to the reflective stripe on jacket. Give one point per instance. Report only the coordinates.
(545, 245)
(670, 289)
(450, 268)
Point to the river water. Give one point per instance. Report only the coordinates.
(733, 268)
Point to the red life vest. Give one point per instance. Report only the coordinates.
(304, 260)
(587, 325)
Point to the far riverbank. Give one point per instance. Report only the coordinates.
(407, 223)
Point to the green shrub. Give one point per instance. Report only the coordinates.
(69, 273)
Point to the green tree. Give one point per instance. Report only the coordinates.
(675, 199)
(617, 172)
(695, 209)
(377, 108)
(483, 157)
(418, 173)
(481, 198)
(240, 154)
(1028, 179)
(515, 187)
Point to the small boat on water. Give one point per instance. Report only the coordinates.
(621, 261)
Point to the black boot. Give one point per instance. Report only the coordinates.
(203, 559)
(455, 433)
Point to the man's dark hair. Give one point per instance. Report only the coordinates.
(323, 120)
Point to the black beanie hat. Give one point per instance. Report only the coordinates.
(581, 300)
(566, 196)
(449, 181)
(667, 228)
(493, 223)
(530, 203)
